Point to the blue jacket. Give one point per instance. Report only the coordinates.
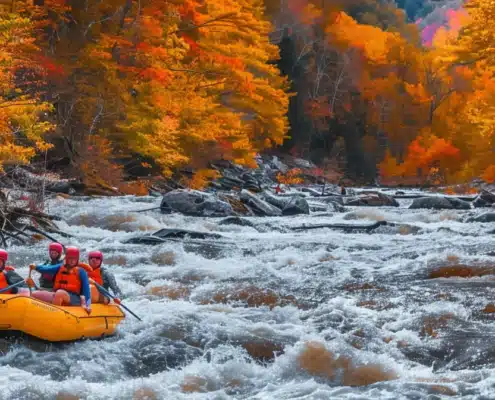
(83, 276)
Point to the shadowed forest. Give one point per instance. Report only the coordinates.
(107, 92)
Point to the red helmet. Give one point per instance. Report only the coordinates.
(4, 255)
(71, 251)
(56, 247)
(95, 254)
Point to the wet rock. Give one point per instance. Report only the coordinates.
(440, 203)
(197, 384)
(236, 221)
(145, 394)
(170, 292)
(488, 217)
(195, 203)
(155, 354)
(263, 350)
(372, 199)
(484, 199)
(459, 204)
(164, 258)
(333, 203)
(237, 205)
(289, 205)
(316, 360)
(259, 206)
(66, 396)
(183, 233)
(462, 271)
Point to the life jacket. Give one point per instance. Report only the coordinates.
(47, 279)
(68, 280)
(94, 274)
(3, 279)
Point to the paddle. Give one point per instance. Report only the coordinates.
(108, 294)
(11, 286)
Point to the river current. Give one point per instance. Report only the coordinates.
(270, 313)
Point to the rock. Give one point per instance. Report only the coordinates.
(297, 205)
(182, 233)
(163, 235)
(236, 221)
(484, 199)
(258, 205)
(317, 207)
(459, 204)
(279, 165)
(299, 162)
(488, 217)
(195, 203)
(440, 203)
(289, 205)
(373, 199)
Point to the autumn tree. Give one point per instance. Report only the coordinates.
(22, 124)
(180, 83)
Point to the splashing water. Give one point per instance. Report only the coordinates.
(269, 313)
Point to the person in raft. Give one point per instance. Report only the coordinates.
(70, 285)
(55, 252)
(103, 277)
(9, 277)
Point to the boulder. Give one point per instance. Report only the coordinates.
(459, 204)
(484, 199)
(289, 205)
(163, 235)
(259, 206)
(440, 203)
(372, 199)
(488, 217)
(236, 221)
(195, 203)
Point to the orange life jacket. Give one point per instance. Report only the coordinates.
(68, 280)
(95, 274)
(3, 279)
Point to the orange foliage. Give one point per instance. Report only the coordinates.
(489, 174)
(291, 177)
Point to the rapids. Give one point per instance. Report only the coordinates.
(269, 313)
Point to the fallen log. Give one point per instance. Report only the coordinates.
(16, 222)
(344, 227)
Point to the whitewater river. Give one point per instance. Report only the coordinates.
(270, 313)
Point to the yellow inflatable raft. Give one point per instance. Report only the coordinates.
(56, 324)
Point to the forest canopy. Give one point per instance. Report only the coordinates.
(370, 88)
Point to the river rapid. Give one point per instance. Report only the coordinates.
(270, 313)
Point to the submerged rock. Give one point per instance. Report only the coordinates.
(488, 217)
(164, 234)
(373, 199)
(484, 199)
(195, 203)
(440, 203)
(236, 221)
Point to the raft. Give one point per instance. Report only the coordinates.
(55, 323)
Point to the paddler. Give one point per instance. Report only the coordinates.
(8, 276)
(103, 277)
(55, 253)
(71, 283)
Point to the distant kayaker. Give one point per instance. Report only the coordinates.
(71, 283)
(55, 252)
(103, 277)
(8, 276)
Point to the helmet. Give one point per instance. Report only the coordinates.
(95, 254)
(4, 255)
(56, 247)
(71, 251)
